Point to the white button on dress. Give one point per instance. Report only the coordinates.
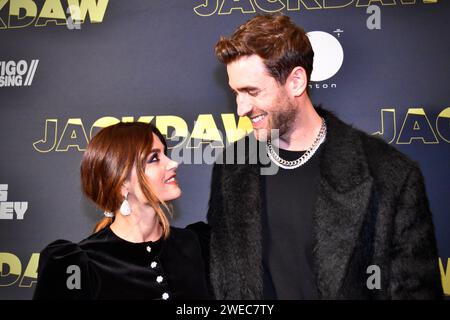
(165, 296)
(153, 264)
(159, 279)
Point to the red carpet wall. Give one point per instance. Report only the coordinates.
(71, 67)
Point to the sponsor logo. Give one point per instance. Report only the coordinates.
(10, 210)
(17, 74)
(328, 57)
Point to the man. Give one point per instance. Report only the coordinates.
(345, 216)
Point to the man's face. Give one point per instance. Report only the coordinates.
(260, 97)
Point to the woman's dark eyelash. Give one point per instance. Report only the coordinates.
(153, 157)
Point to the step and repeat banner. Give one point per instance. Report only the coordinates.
(70, 67)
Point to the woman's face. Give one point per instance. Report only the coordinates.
(160, 171)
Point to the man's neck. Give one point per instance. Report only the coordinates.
(304, 130)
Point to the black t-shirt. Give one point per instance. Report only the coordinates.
(290, 196)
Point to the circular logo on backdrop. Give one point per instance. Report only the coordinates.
(328, 55)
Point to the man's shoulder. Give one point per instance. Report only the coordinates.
(385, 162)
(382, 158)
(379, 152)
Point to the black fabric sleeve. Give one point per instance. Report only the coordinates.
(414, 270)
(65, 273)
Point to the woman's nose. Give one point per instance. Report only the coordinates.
(173, 165)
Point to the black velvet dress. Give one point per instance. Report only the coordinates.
(109, 267)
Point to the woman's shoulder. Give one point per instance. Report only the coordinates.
(59, 251)
(201, 230)
(199, 227)
(198, 230)
(65, 270)
(64, 250)
(195, 234)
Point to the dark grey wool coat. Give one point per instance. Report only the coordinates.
(371, 209)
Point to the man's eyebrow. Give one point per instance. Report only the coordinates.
(245, 89)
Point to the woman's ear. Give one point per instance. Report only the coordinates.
(297, 81)
(124, 190)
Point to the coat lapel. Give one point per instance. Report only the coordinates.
(236, 242)
(342, 203)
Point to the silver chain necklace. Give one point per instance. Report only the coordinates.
(286, 164)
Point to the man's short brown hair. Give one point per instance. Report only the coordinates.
(276, 39)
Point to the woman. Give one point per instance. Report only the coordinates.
(134, 252)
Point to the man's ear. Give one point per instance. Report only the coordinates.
(297, 81)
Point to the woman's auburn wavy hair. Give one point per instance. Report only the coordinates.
(107, 164)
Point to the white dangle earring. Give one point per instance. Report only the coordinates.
(125, 208)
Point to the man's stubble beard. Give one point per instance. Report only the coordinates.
(282, 119)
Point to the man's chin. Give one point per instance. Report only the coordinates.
(261, 134)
